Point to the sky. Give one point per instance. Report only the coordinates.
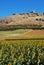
(9, 7)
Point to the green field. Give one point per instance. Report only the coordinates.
(22, 34)
(19, 31)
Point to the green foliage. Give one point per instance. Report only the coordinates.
(22, 52)
(14, 27)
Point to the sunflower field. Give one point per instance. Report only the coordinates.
(22, 52)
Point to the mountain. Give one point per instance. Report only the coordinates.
(30, 18)
(24, 18)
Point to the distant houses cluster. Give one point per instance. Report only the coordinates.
(31, 14)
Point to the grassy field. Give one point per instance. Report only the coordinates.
(20, 31)
(22, 34)
(22, 52)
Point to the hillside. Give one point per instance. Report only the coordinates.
(25, 25)
(31, 18)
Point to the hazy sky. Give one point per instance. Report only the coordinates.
(8, 7)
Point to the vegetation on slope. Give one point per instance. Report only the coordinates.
(25, 20)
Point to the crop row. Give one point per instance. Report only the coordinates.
(22, 52)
